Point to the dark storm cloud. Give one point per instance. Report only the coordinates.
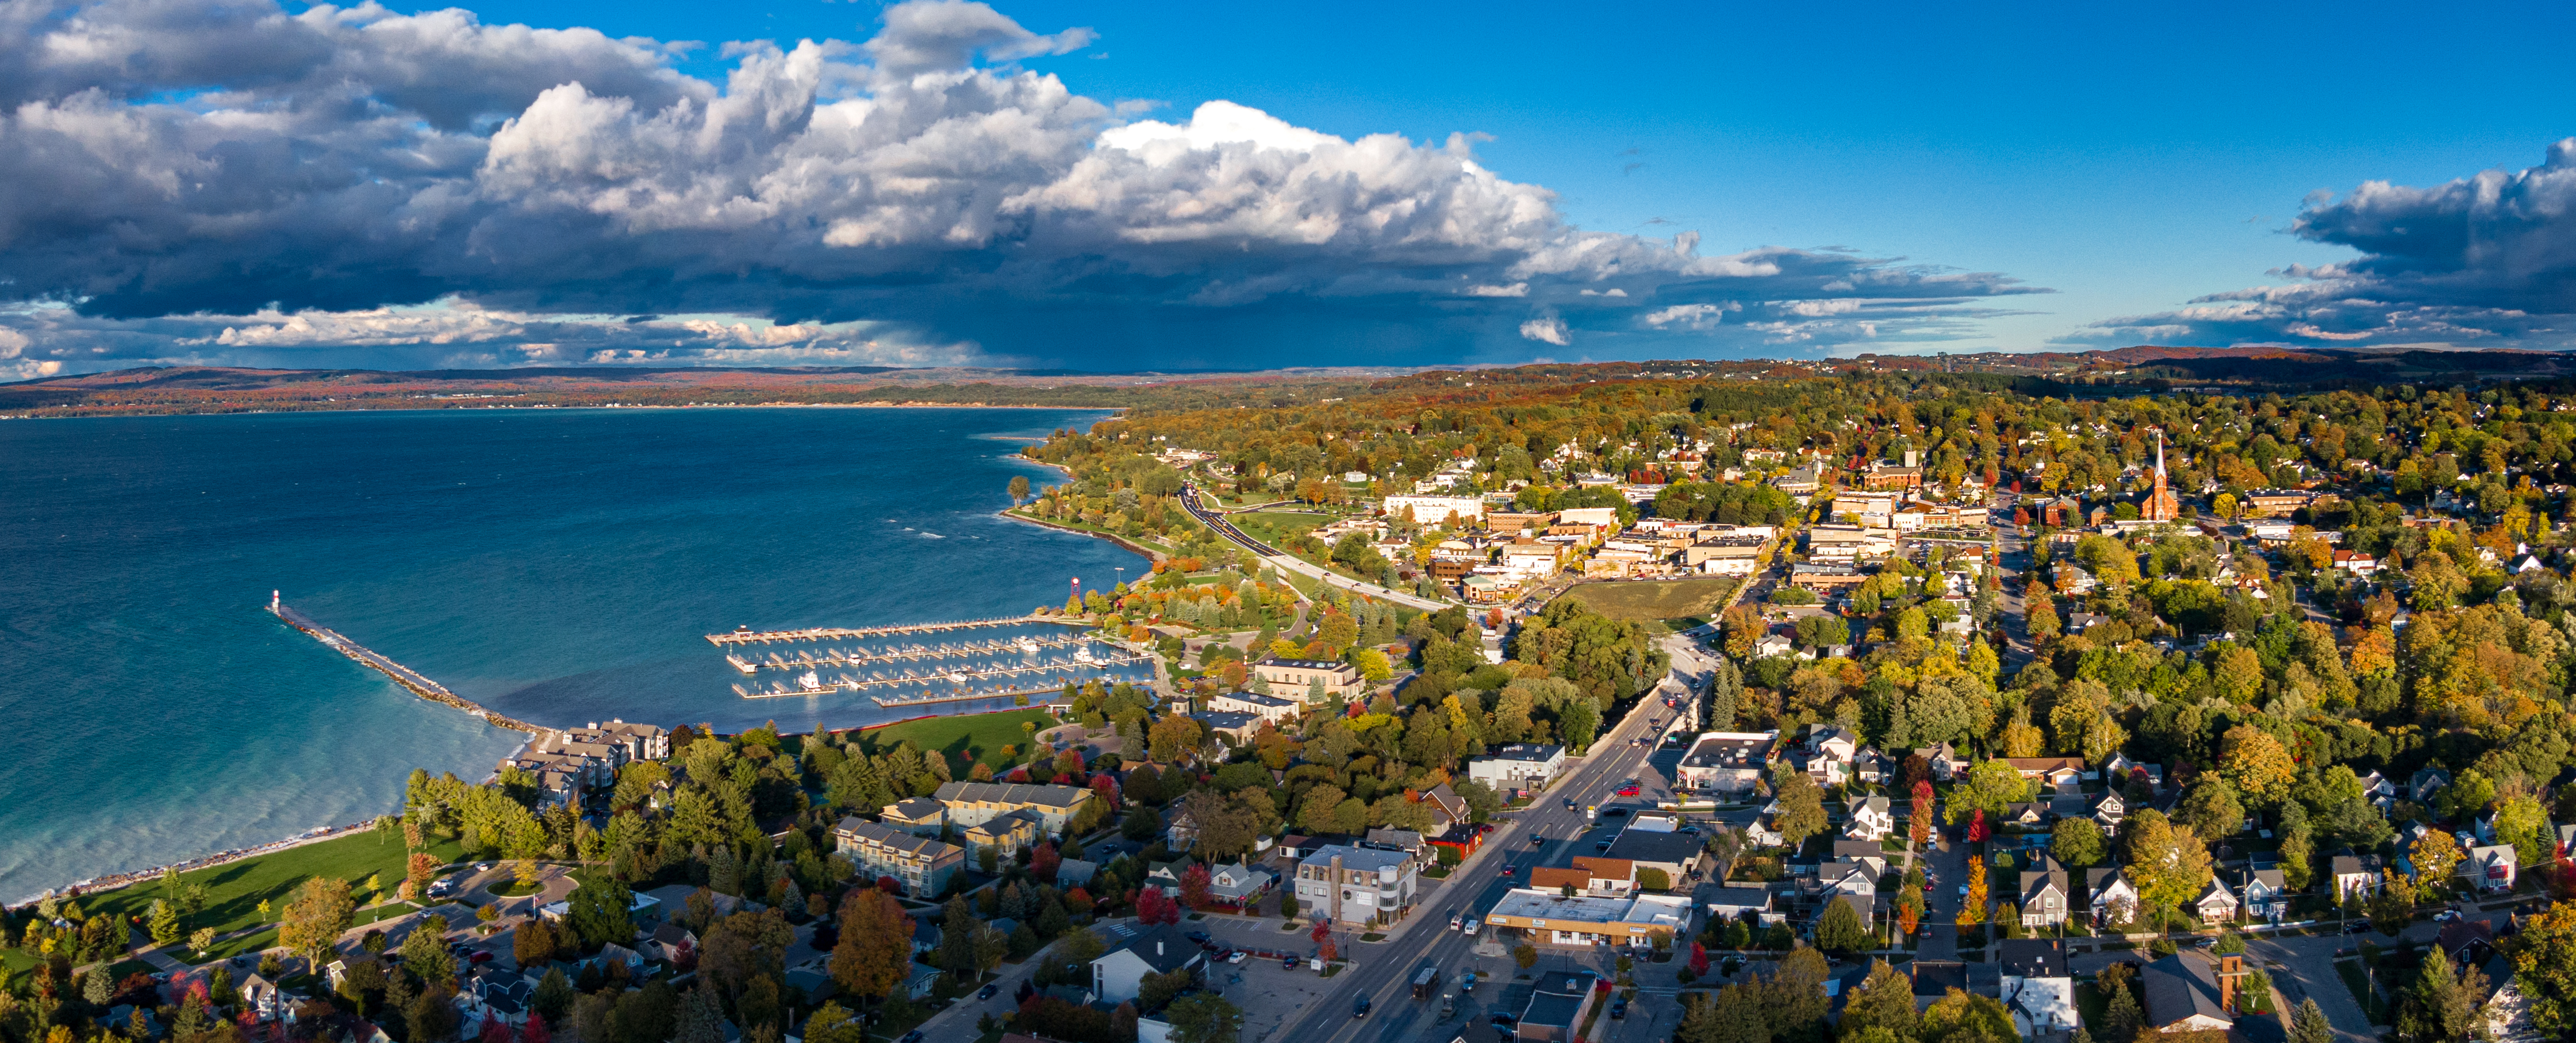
(2488, 260)
(222, 180)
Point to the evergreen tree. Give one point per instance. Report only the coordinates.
(2308, 1024)
(724, 873)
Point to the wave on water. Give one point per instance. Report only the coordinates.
(934, 535)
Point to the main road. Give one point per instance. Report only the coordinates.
(1216, 523)
(1383, 971)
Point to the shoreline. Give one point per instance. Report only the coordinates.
(1149, 553)
(909, 404)
(117, 881)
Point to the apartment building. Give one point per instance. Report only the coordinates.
(1357, 883)
(922, 865)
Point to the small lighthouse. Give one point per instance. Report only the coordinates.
(272, 601)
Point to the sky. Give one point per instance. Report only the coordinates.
(1119, 186)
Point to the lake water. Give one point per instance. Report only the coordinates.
(559, 566)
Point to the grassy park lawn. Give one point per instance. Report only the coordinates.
(1687, 601)
(235, 889)
(1272, 527)
(966, 738)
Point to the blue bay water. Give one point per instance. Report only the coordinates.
(559, 566)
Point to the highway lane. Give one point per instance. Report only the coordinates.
(1216, 522)
(1384, 971)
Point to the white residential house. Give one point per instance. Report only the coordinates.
(1871, 819)
(2490, 867)
(2113, 899)
(2356, 875)
(2216, 903)
(1162, 949)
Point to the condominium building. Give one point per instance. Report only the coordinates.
(974, 803)
(922, 865)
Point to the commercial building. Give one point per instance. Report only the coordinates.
(1725, 762)
(1296, 678)
(1437, 510)
(1357, 883)
(1267, 707)
(1518, 766)
(1551, 918)
(1558, 1007)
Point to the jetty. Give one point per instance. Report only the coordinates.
(748, 636)
(859, 657)
(402, 675)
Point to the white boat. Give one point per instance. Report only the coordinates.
(1029, 645)
(1083, 655)
(811, 681)
(960, 678)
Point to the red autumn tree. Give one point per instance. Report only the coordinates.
(1920, 826)
(1079, 899)
(1323, 936)
(1107, 787)
(535, 1030)
(1698, 960)
(1043, 863)
(1977, 831)
(1153, 907)
(1194, 886)
(496, 1030)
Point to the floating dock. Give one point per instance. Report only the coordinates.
(748, 636)
(402, 675)
(862, 657)
(1072, 669)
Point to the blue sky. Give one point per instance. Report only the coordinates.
(2129, 162)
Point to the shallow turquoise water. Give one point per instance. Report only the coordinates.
(560, 566)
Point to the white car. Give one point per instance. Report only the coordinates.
(1471, 926)
(1238, 956)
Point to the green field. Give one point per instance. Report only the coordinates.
(965, 738)
(235, 889)
(1271, 527)
(1655, 600)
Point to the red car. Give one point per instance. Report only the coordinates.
(481, 956)
(1511, 870)
(1627, 791)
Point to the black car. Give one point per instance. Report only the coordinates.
(1360, 1008)
(987, 992)
(913, 1036)
(1504, 1021)
(1537, 840)
(1619, 1008)
(1200, 937)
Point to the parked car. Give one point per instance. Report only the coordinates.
(1619, 1009)
(481, 956)
(913, 1036)
(987, 992)
(2357, 928)
(2446, 915)
(1236, 956)
(1200, 937)
(1288, 963)
(1602, 846)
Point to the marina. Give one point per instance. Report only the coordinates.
(893, 667)
(748, 636)
(857, 657)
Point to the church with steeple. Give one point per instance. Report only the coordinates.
(2162, 505)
